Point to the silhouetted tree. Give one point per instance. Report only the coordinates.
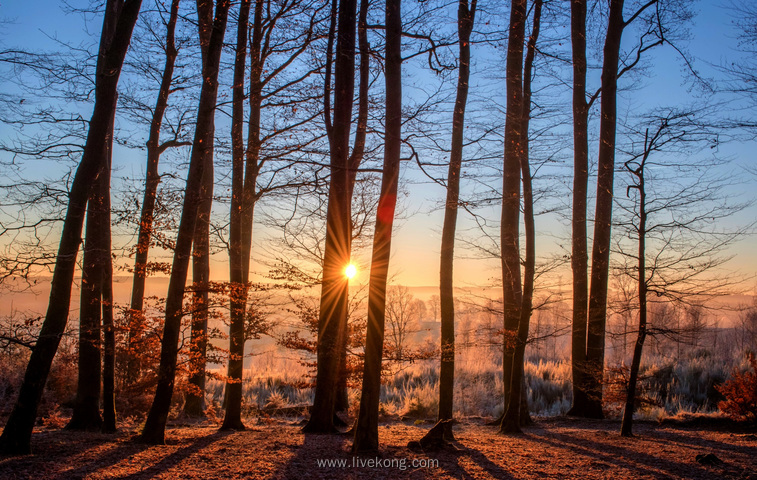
(366, 427)
(16, 436)
(154, 429)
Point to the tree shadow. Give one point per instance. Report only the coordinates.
(176, 457)
(612, 457)
(319, 456)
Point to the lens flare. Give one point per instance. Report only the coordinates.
(350, 271)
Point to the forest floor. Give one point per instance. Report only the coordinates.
(277, 449)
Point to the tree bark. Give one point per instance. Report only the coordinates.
(237, 272)
(600, 255)
(516, 413)
(195, 397)
(108, 328)
(579, 256)
(334, 288)
(16, 436)
(152, 180)
(154, 429)
(356, 158)
(465, 19)
(511, 275)
(366, 431)
(86, 414)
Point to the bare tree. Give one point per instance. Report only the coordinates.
(154, 429)
(366, 427)
(465, 19)
(121, 16)
(669, 218)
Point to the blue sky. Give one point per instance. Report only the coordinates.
(713, 41)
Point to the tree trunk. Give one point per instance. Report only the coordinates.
(198, 345)
(511, 276)
(516, 413)
(579, 256)
(154, 429)
(106, 270)
(356, 158)
(86, 414)
(237, 272)
(366, 431)
(626, 427)
(334, 288)
(16, 436)
(600, 255)
(152, 180)
(465, 20)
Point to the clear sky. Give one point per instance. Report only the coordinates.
(416, 243)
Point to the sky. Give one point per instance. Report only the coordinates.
(714, 40)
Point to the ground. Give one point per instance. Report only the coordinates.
(553, 448)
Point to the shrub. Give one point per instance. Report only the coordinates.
(740, 393)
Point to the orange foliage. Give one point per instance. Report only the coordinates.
(740, 394)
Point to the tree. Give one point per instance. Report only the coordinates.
(16, 436)
(517, 148)
(276, 44)
(653, 18)
(154, 150)
(579, 258)
(669, 217)
(154, 429)
(403, 312)
(96, 286)
(366, 427)
(465, 18)
(201, 241)
(334, 287)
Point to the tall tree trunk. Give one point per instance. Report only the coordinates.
(465, 19)
(106, 270)
(16, 436)
(237, 272)
(579, 256)
(154, 429)
(332, 318)
(366, 431)
(195, 398)
(516, 413)
(86, 414)
(600, 254)
(511, 276)
(152, 180)
(356, 158)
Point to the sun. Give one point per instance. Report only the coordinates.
(350, 271)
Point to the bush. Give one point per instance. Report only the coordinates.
(740, 394)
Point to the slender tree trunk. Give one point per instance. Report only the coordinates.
(626, 427)
(108, 329)
(237, 273)
(154, 429)
(334, 288)
(516, 413)
(511, 276)
(16, 436)
(152, 180)
(86, 414)
(366, 431)
(195, 397)
(465, 19)
(600, 255)
(579, 256)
